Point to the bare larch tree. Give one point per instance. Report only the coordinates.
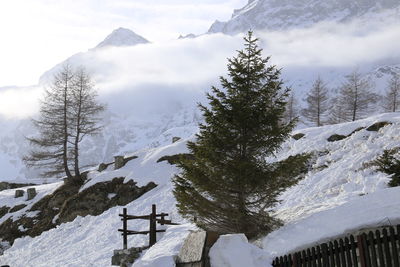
(355, 99)
(317, 103)
(392, 97)
(85, 112)
(68, 112)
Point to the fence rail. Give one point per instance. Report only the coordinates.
(372, 249)
(153, 219)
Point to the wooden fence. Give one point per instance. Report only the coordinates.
(381, 248)
(153, 218)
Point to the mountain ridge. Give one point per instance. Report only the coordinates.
(288, 14)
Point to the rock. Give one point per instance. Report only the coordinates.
(174, 159)
(19, 193)
(175, 139)
(4, 210)
(125, 257)
(102, 167)
(94, 200)
(118, 162)
(376, 126)
(336, 137)
(6, 185)
(195, 249)
(31, 193)
(17, 208)
(298, 136)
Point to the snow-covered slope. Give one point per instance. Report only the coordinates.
(279, 15)
(340, 183)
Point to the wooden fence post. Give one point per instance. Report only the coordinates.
(361, 250)
(153, 233)
(125, 228)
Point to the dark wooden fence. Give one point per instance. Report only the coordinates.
(153, 218)
(381, 248)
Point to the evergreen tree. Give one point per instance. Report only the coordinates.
(229, 185)
(317, 103)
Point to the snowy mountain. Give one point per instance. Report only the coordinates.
(280, 15)
(122, 37)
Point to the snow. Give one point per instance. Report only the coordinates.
(122, 37)
(381, 208)
(278, 15)
(7, 199)
(235, 251)
(163, 253)
(341, 194)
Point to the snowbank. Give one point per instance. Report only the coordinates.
(381, 208)
(236, 251)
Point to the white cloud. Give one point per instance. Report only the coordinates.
(38, 34)
(160, 76)
(332, 44)
(18, 103)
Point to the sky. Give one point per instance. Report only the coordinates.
(38, 34)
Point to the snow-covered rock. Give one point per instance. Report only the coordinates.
(122, 37)
(279, 15)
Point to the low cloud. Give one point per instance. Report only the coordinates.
(161, 77)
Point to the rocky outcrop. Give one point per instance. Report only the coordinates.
(66, 203)
(174, 159)
(100, 197)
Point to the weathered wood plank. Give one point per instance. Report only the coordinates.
(372, 249)
(353, 251)
(386, 248)
(394, 246)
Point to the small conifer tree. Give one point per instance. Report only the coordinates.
(229, 185)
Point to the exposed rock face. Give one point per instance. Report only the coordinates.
(174, 159)
(94, 200)
(376, 126)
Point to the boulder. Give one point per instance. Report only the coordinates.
(19, 193)
(118, 162)
(125, 257)
(31, 193)
(102, 167)
(376, 126)
(175, 139)
(336, 137)
(298, 136)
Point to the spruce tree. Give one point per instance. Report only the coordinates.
(229, 186)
